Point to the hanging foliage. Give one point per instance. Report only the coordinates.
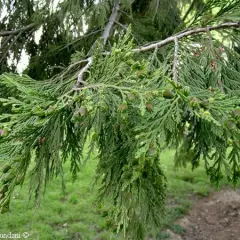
(128, 103)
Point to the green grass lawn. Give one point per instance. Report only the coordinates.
(77, 214)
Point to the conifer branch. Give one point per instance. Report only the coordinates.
(175, 38)
(10, 45)
(186, 34)
(15, 32)
(5, 41)
(162, 43)
(111, 22)
(105, 36)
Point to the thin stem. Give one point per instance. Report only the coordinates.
(186, 34)
(15, 32)
(10, 46)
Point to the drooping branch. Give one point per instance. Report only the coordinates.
(105, 37)
(112, 19)
(15, 32)
(10, 46)
(186, 34)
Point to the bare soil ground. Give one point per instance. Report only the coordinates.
(216, 217)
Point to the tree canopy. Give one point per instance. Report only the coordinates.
(127, 79)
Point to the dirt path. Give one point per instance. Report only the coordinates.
(216, 217)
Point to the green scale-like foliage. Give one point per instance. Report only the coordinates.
(128, 109)
(131, 110)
